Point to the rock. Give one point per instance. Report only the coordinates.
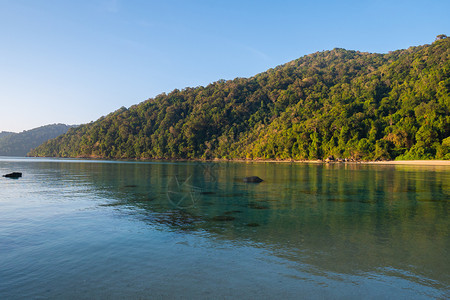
(207, 193)
(257, 206)
(223, 218)
(230, 212)
(329, 158)
(13, 175)
(253, 179)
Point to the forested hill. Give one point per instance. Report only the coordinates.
(5, 133)
(19, 144)
(343, 103)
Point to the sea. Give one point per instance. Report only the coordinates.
(99, 229)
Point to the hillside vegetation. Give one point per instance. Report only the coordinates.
(5, 133)
(343, 103)
(19, 144)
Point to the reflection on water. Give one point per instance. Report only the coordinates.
(358, 222)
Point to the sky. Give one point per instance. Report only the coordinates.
(71, 62)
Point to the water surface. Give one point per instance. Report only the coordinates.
(103, 229)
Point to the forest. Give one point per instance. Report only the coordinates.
(341, 103)
(19, 144)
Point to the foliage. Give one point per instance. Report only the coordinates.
(5, 133)
(343, 103)
(19, 144)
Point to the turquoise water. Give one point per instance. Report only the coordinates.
(77, 229)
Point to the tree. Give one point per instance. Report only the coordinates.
(343, 103)
(441, 37)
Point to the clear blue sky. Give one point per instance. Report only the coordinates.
(73, 61)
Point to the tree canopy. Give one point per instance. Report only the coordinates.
(348, 104)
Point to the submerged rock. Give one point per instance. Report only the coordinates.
(207, 193)
(130, 186)
(253, 179)
(232, 212)
(13, 175)
(257, 206)
(223, 218)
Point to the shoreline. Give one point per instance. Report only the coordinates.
(412, 162)
(387, 162)
(384, 162)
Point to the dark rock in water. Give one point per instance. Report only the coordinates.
(223, 218)
(13, 175)
(207, 193)
(130, 186)
(253, 179)
(232, 212)
(257, 206)
(252, 224)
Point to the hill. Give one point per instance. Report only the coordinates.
(5, 133)
(19, 144)
(343, 103)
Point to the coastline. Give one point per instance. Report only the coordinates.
(383, 162)
(412, 162)
(386, 162)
